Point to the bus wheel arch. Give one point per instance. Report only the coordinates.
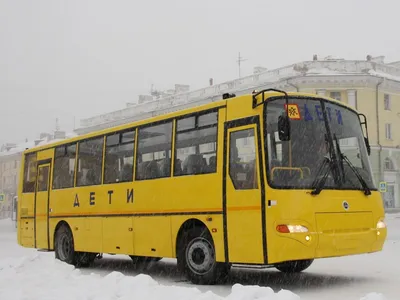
(185, 227)
(196, 255)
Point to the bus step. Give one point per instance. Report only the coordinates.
(257, 267)
(45, 250)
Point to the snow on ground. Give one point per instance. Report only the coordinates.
(31, 275)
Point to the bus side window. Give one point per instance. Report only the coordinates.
(64, 166)
(196, 144)
(154, 152)
(90, 159)
(30, 173)
(118, 163)
(242, 160)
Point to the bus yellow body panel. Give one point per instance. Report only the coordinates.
(332, 231)
(146, 217)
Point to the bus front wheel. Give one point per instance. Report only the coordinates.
(197, 258)
(295, 266)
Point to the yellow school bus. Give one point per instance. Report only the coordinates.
(270, 179)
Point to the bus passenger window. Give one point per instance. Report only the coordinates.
(196, 145)
(242, 160)
(90, 158)
(64, 166)
(119, 157)
(154, 152)
(30, 173)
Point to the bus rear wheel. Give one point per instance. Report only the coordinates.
(65, 249)
(295, 266)
(64, 245)
(198, 260)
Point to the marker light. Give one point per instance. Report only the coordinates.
(380, 225)
(283, 228)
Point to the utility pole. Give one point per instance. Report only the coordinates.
(240, 59)
(57, 125)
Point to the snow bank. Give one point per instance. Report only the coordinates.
(29, 275)
(42, 277)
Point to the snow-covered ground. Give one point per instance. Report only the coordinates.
(31, 275)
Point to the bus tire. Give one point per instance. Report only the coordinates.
(64, 245)
(295, 266)
(198, 259)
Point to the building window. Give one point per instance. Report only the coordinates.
(389, 197)
(154, 152)
(388, 131)
(119, 157)
(352, 98)
(64, 167)
(389, 166)
(29, 173)
(387, 102)
(336, 95)
(90, 160)
(196, 145)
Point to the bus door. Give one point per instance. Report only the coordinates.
(42, 206)
(243, 190)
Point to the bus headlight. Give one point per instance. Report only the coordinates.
(380, 225)
(283, 228)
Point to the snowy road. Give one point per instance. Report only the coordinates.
(338, 278)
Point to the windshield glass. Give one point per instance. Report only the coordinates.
(347, 130)
(296, 163)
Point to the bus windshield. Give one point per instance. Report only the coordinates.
(317, 135)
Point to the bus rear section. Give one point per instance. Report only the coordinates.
(322, 197)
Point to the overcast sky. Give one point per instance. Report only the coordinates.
(82, 58)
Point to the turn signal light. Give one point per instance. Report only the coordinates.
(282, 229)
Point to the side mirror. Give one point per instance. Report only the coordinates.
(363, 122)
(284, 128)
(366, 140)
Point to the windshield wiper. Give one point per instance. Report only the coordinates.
(340, 160)
(367, 190)
(319, 182)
